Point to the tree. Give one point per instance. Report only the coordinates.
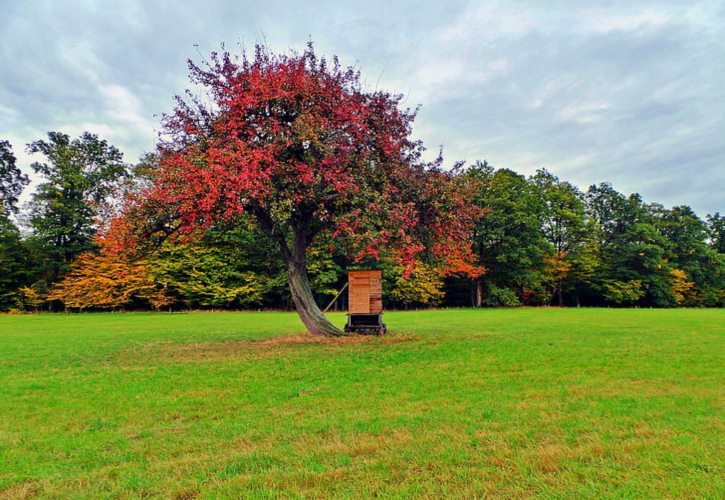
(296, 142)
(12, 180)
(508, 238)
(631, 247)
(565, 226)
(13, 262)
(424, 286)
(323, 271)
(80, 176)
(585, 262)
(104, 281)
(681, 288)
(687, 250)
(32, 297)
(623, 292)
(203, 276)
(716, 230)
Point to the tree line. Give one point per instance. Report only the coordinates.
(539, 239)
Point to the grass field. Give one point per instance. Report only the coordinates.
(515, 403)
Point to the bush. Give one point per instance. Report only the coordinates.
(502, 297)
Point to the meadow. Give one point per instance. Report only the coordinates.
(513, 403)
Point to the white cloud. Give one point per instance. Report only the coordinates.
(123, 106)
(626, 91)
(583, 113)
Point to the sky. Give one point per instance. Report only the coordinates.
(629, 92)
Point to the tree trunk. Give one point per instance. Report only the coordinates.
(304, 301)
(560, 294)
(294, 253)
(479, 293)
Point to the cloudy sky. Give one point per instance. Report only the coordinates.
(623, 91)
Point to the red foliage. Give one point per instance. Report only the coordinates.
(298, 143)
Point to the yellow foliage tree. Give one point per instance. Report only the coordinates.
(680, 288)
(30, 298)
(557, 268)
(423, 286)
(105, 282)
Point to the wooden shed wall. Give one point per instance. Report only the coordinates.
(365, 292)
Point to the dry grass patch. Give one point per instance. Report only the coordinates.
(21, 491)
(355, 445)
(307, 339)
(623, 387)
(199, 352)
(549, 457)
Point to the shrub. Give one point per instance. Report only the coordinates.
(502, 297)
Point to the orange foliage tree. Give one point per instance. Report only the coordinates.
(105, 282)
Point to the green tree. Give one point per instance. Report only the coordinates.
(508, 238)
(80, 177)
(716, 232)
(632, 250)
(623, 292)
(565, 227)
(687, 250)
(12, 180)
(202, 276)
(13, 262)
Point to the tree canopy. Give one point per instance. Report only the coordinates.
(298, 144)
(12, 180)
(79, 177)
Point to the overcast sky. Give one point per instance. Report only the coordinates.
(628, 92)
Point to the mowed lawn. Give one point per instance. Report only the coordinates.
(515, 403)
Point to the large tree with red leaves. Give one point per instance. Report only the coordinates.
(296, 143)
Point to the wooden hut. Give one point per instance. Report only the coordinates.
(365, 299)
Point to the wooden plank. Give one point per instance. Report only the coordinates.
(359, 296)
(361, 308)
(365, 291)
(376, 305)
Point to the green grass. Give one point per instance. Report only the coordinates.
(513, 403)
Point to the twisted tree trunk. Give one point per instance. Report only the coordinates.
(295, 256)
(310, 314)
(294, 253)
